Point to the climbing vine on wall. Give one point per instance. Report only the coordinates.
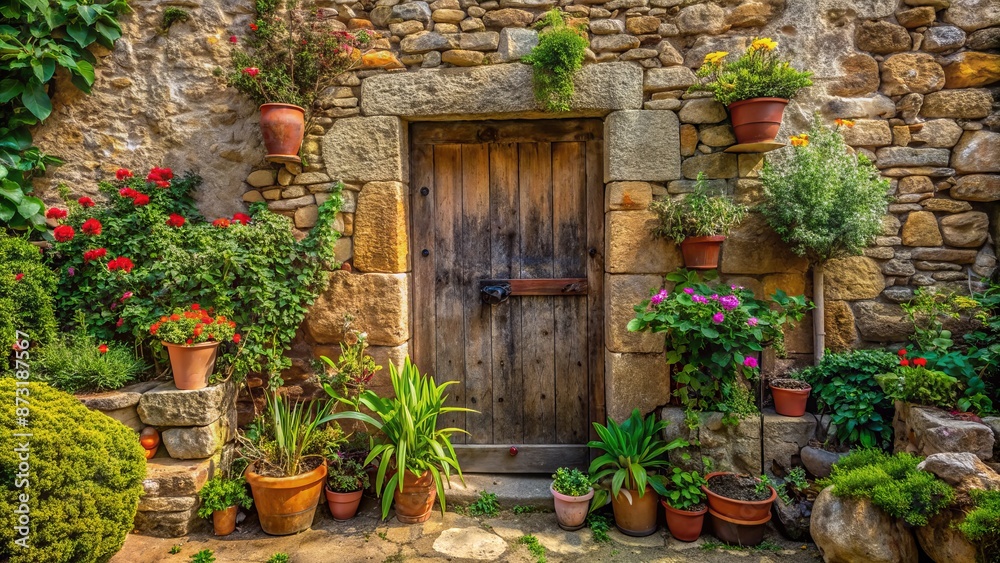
(37, 38)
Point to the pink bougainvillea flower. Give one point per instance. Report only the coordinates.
(91, 227)
(659, 297)
(123, 174)
(689, 291)
(729, 302)
(85, 202)
(63, 233)
(71, 271)
(251, 71)
(752, 321)
(750, 362)
(175, 220)
(241, 218)
(718, 318)
(55, 213)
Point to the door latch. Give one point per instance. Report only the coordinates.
(495, 294)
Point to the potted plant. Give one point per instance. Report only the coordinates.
(192, 337)
(284, 449)
(684, 504)
(292, 54)
(633, 451)
(221, 499)
(354, 369)
(740, 506)
(415, 457)
(756, 87)
(571, 493)
(790, 395)
(698, 222)
(345, 483)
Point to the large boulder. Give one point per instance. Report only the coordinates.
(962, 470)
(852, 530)
(942, 542)
(925, 431)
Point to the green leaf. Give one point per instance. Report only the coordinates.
(30, 206)
(11, 191)
(9, 89)
(88, 13)
(7, 210)
(80, 33)
(36, 99)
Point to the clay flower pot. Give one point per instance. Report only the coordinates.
(757, 120)
(571, 512)
(224, 521)
(415, 501)
(789, 402)
(192, 365)
(739, 532)
(343, 506)
(282, 126)
(702, 253)
(738, 509)
(637, 518)
(286, 505)
(684, 525)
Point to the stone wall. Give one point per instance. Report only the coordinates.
(919, 77)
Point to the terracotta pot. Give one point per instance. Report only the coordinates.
(224, 521)
(638, 518)
(684, 525)
(738, 509)
(414, 503)
(790, 402)
(286, 505)
(702, 253)
(739, 532)
(757, 120)
(571, 512)
(282, 126)
(192, 365)
(150, 452)
(343, 506)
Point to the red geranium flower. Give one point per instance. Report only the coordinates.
(904, 362)
(158, 174)
(85, 202)
(18, 276)
(94, 254)
(121, 263)
(175, 317)
(195, 307)
(55, 213)
(128, 192)
(241, 218)
(153, 329)
(175, 220)
(902, 352)
(222, 223)
(189, 341)
(123, 173)
(162, 184)
(920, 362)
(63, 233)
(252, 71)
(253, 26)
(140, 199)
(236, 338)
(92, 227)
(120, 321)
(103, 348)
(233, 39)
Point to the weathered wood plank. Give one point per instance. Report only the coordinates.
(529, 459)
(422, 238)
(475, 253)
(543, 286)
(449, 309)
(595, 275)
(472, 132)
(537, 320)
(569, 223)
(505, 259)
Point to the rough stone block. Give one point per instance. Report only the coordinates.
(977, 187)
(199, 442)
(839, 322)
(166, 405)
(924, 431)
(853, 277)
(642, 145)
(635, 381)
(622, 294)
(670, 78)
(977, 151)
(167, 504)
(754, 248)
(630, 247)
(515, 43)
(378, 302)
(882, 322)
(731, 448)
(626, 196)
(969, 103)
(784, 436)
(381, 240)
(167, 477)
(921, 229)
(168, 524)
(367, 149)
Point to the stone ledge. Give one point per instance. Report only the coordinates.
(119, 399)
(166, 405)
(525, 490)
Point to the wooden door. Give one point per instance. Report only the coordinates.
(519, 202)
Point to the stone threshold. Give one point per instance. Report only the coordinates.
(529, 490)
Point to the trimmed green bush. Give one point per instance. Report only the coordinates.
(85, 473)
(26, 288)
(982, 525)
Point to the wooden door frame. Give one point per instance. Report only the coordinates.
(530, 458)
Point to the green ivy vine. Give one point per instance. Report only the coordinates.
(37, 38)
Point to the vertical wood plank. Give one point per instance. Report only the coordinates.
(569, 223)
(475, 263)
(422, 238)
(505, 259)
(537, 322)
(449, 280)
(595, 278)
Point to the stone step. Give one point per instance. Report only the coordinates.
(529, 490)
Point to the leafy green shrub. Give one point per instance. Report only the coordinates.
(203, 556)
(701, 213)
(485, 505)
(893, 483)
(920, 385)
(220, 493)
(556, 58)
(346, 475)
(845, 388)
(79, 363)
(757, 73)
(84, 478)
(823, 201)
(26, 288)
(571, 482)
(982, 525)
(684, 489)
(251, 265)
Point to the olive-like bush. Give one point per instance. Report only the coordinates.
(84, 478)
(26, 288)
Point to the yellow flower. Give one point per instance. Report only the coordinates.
(800, 140)
(844, 122)
(714, 58)
(763, 43)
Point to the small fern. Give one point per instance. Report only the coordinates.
(556, 58)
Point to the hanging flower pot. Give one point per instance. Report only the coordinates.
(282, 126)
(701, 253)
(790, 396)
(757, 120)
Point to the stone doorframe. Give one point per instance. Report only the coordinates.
(642, 152)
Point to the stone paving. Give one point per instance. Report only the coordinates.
(452, 537)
